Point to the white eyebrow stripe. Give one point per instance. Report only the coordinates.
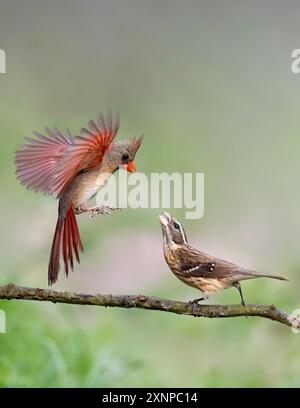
(182, 233)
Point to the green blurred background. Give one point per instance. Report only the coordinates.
(210, 85)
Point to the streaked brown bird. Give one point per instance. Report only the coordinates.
(73, 168)
(198, 269)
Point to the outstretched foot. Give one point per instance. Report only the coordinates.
(103, 210)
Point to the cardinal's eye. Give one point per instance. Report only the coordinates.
(125, 157)
(176, 226)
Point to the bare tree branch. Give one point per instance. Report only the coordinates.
(150, 303)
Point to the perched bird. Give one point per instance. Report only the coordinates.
(197, 269)
(73, 168)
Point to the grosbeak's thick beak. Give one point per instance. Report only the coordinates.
(131, 166)
(164, 218)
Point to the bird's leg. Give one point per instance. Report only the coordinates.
(104, 209)
(239, 288)
(196, 301)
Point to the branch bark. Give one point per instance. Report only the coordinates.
(271, 312)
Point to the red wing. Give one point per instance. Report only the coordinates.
(36, 160)
(86, 151)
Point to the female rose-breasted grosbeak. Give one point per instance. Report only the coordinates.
(74, 168)
(197, 269)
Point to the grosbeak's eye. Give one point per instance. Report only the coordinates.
(125, 157)
(176, 226)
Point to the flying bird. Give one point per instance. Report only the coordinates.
(198, 269)
(73, 168)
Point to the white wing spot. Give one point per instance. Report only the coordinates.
(192, 269)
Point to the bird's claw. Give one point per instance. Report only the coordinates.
(194, 302)
(104, 210)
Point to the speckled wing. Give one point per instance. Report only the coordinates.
(194, 263)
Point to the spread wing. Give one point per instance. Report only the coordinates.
(198, 264)
(86, 151)
(36, 160)
(49, 162)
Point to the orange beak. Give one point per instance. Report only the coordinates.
(131, 167)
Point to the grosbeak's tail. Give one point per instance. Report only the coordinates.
(67, 237)
(247, 274)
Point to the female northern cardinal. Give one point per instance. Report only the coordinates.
(73, 168)
(197, 269)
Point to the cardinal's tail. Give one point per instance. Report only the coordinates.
(67, 238)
